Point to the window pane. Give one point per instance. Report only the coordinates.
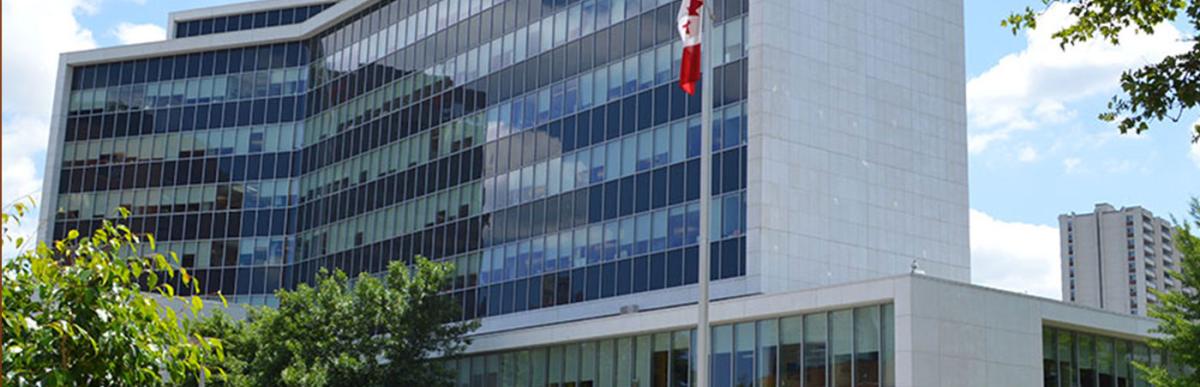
(1066, 367)
(463, 377)
(722, 356)
(625, 362)
(587, 364)
(643, 361)
(659, 360)
(1086, 353)
(815, 347)
(791, 359)
(889, 346)
(477, 370)
(492, 376)
(1123, 363)
(743, 366)
(1104, 361)
(681, 345)
(866, 346)
(508, 369)
(604, 364)
(841, 344)
(571, 367)
(768, 346)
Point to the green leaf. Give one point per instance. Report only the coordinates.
(161, 261)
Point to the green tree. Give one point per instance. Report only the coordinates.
(235, 339)
(75, 313)
(1178, 314)
(1158, 91)
(366, 332)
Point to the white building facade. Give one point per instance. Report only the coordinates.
(908, 330)
(1112, 258)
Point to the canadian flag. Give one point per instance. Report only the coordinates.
(689, 30)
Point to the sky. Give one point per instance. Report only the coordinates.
(1036, 148)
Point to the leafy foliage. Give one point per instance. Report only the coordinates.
(233, 336)
(75, 314)
(1158, 91)
(1178, 314)
(370, 332)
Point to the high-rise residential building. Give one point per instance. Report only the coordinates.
(1112, 257)
(544, 147)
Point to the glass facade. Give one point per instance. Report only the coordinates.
(202, 150)
(764, 353)
(542, 146)
(1078, 359)
(247, 21)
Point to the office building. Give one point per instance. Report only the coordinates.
(1112, 258)
(544, 147)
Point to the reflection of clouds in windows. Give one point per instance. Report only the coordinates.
(523, 165)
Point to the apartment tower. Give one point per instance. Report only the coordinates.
(1112, 258)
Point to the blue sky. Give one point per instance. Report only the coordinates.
(1036, 148)
(1153, 170)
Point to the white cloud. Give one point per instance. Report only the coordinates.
(24, 147)
(1015, 256)
(30, 67)
(1033, 88)
(129, 33)
(1027, 154)
(1119, 166)
(31, 50)
(1052, 112)
(1195, 153)
(1071, 164)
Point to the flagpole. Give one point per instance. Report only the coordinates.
(706, 101)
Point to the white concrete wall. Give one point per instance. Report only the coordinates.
(946, 333)
(857, 141)
(954, 334)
